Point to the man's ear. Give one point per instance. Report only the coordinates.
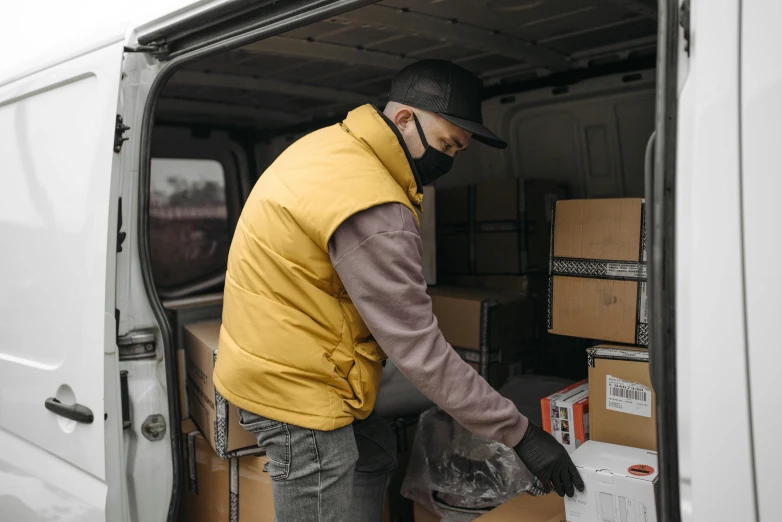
(403, 118)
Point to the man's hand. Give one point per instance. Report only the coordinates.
(548, 460)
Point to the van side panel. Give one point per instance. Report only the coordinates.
(56, 285)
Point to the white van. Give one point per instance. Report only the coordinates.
(98, 137)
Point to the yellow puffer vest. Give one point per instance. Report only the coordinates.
(293, 348)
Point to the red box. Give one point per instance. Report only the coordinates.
(566, 415)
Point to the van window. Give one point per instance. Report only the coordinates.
(188, 220)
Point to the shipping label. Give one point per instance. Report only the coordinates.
(628, 397)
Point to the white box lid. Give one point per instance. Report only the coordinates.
(616, 460)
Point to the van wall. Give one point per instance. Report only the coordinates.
(591, 136)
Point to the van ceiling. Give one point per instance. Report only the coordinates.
(317, 73)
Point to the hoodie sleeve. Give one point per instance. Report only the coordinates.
(378, 256)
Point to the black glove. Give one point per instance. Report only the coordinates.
(549, 461)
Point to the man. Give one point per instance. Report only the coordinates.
(324, 270)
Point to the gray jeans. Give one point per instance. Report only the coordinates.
(326, 476)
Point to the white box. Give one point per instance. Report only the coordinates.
(620, 484)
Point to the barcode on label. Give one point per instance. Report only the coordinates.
(636, 395)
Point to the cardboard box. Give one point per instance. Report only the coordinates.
(622, 409)
(620, 484)
(597, 273)
(566, 415)
(526, 508)
(428, 235)
(182, 312)
(218, 490)
(421, 514)
(529, 202)
(486, 328)
(496, 227)
(206, 497)
(214, 416)
(256, 502)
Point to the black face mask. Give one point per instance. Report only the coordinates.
(433, 164)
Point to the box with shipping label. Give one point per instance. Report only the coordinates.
(223, 490)
(622, 409)
(566, 415)
(597, 271)
(488, 329)
(215, 417)
(619, 484)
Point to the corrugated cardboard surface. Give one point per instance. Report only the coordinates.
(201, 340)
(459, 312)
(616, 427)
(526, 508)
(210, 500)
(256, 502)
(421, 514)
(608, 229)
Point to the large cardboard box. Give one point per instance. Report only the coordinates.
(620, 484)
(566, 415)
(622, 402)
(215, 417)
(497, 227)
(529, 202)
(223, 490)
(207, 493)
(182, 312)
(488, 329)
(597, 273)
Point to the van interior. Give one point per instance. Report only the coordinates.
(569, 84)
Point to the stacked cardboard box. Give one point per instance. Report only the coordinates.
(488, 329)
(495, 227)
(218, 490)
(597, 271)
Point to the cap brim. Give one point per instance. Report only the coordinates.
(479, 131)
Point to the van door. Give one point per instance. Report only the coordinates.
(57, 325)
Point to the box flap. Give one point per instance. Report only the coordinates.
(188, 426)
(572, 394)
(622, 461)
(617, 353)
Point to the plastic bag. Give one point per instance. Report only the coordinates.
(458, 475)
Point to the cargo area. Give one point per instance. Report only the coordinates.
(535, 256)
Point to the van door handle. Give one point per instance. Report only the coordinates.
(75, 412)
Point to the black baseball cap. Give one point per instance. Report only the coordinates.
(442, 87)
